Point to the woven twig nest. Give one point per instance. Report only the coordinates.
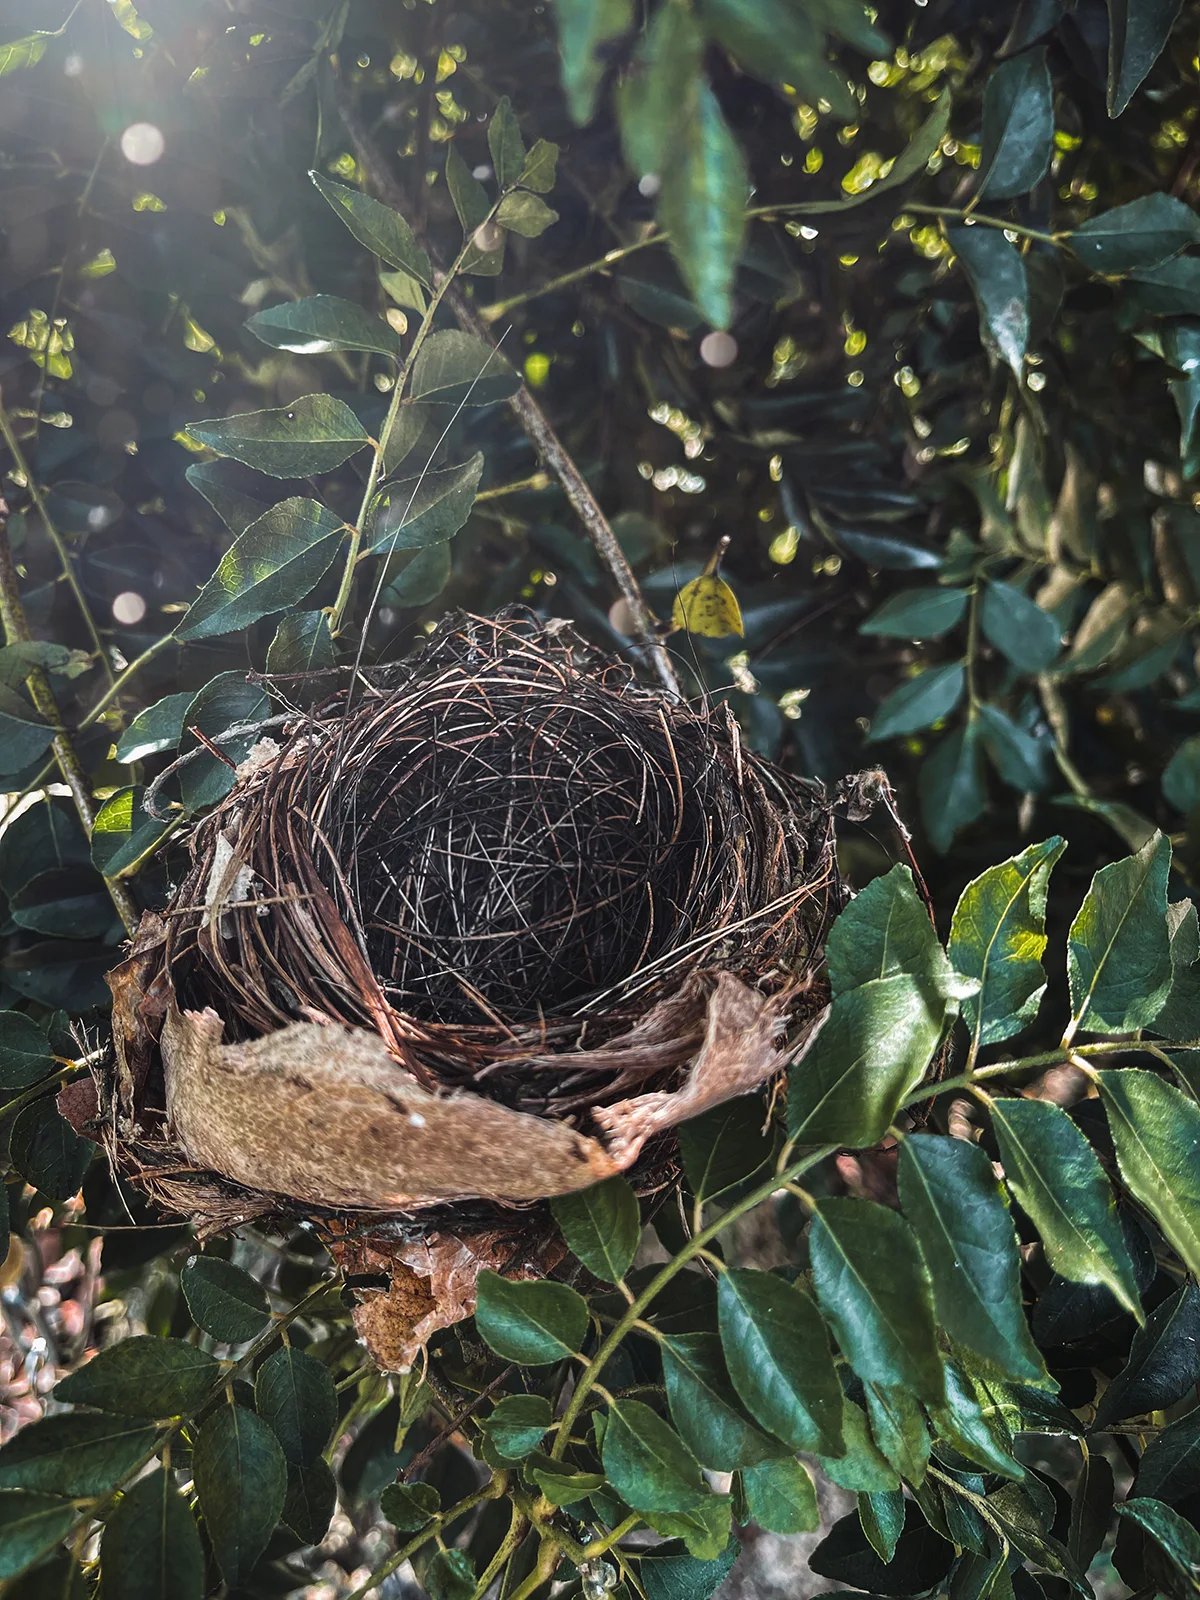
(481, 929)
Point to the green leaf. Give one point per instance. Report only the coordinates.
(47, 1151)
(705, 1408)
(1181, 776)
(1163, 1361)
(223, 1300)
(561, 1484)
(25, 1054)
(1024, 1525)
(951, 786)
(302, 644)
(20, 54)
(1018, 627)
(863, 1468)
(17, 660)
(1170, 1465)
(450, 1576)
(532, 1323)
(1137, 32)
(277, 562)
(584, 28)
(872, 1286)
(1142, 233)
(674, 1576)
(226, 701)
(647, 1462)
(67, 904)
(409, 1506)
(384, 231)
(241, 1481)
(780, 43)
(1060, 1185)
(702, 205)
(30, 1524)
(781, 1497)
(1091, 1510)
(150, 1548)
(321, 323)
(506, 145)
(1181, 349)
(1173, 1534)
(24, 737)
(885, 931)
(1018, 126)
(540, 167)
(874, 1047)
(920, 702)
(414, 512)
(898, 1428)
(602, 1226)
(314, 434)
(143, 1377)
(660, 92)
(960, 1216)
(468, 194)
(77, 1455)
(970, 1422)
(1156, 1130)
(456, 368)
(159, 727)
(882, 1519)
(310, 1501)
(525, 214)
(1118, 948)
(294, 1395)
(910, 163)
(995, 270)
(998, 935)
(123, 835)
(214, 480)
(424, 577)
(1020, 759)
(777, 1354)
(725, 1147)
(705, 1531)
(922, 613)
(518, 1425)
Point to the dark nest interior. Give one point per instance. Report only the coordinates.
(516, 864)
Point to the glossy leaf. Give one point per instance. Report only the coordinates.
(705, 1408)
(429, 509)
(223, 1300)
(920, 702)
(1118, 949)
(314, 434)
(998, 936)
(957, 1209)
(1156, 1130)
(918, 614)
(1169, 1469)
(1141, 233)
(295, 1396)
(384, 231)
(159, 727)
(74, 1454)
(1018, 126)
(777, 1354)
(1163, 1361)
(781, 1497)
(143, 1376)
(275, 564)
(584, 28)
(1059, 1184)
(30, 1524)
(1173, 1534)
(124, 834)
(882, 1519)
(1091, 1510)
(456, 368)
(518, 1425)
(996, 272)
(647, 1462)
(532, 1323)
(1137, 33)
(322, 323)
(602, 1226)
(150, 1548)
(1030, 637)
(241, 1481)
(873, 1288)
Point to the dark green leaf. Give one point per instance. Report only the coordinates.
(780, 43)
(310, 1501)
(302, 643)
(384, 231)
(159, 727)
(1181, 776)
(66, 904)
(898, 1428)
(540, 165)
(1137, 32)
(702, 205)
(781, 1497)
(921, 1560)
(584, 28)
(450, 1576)
(998, 936)
(1018, 126)
(456, 368)
(24, 736)
(958, 1211)
(519, 1424)
(241, 1480)
(409, 1506)
(533, 1323)
(1020, 759)
(1156, 1130)
(226, 701)
(314, 434)
(1142, 233)
(951, 786)
(970, 1422)
(725, 1147)
(17, 660)
(884, 932)
(143, 1377)
(414, 512)
(468, 194)
(1060, 1185)
(25, 1054)
(602, 1226)
(1024, 1523)
(1030, 637)
(30, 1524)
(660, 92)
(321, 323)
(872, 1287)
(123, 834)
(214, 480)
(647, 1462)
(561, 1484)
(1170, 1467)
(223, 1300)
(47, 1151)
(920, 702)
(1173, 1534)
(1163, 1361)
(423, 578)
(1091, 1510)
(525, 214)
(996, 272)
(75, 1454)
(150, 1548)
(506, 144)
(294, 1395)
(675, 1576)
(1118, 950)
(777, 1354)
(1181, 348)
(874, 1047)
(918, 614)
(704, 1407)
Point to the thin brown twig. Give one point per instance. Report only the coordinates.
(423, 1457)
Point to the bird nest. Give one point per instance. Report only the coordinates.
(480, 929)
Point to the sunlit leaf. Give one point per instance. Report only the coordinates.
(384, 231)
(314, 434)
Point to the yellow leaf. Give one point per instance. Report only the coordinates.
(127, 16)
(707, 606)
